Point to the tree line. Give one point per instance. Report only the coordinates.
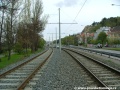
(102, 37)
(110, 22)
(21, 25)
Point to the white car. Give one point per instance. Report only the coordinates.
(99, 45)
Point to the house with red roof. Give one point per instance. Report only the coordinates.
(114, 33)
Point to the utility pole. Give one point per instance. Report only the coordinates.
(59, 33)
(60, 30)
(86, 38)
(52, 37)
(49, 41)
(56, 37)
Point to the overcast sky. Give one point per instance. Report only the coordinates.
(71, 12)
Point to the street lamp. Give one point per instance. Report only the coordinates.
(115, 5)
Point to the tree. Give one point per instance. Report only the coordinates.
(21, 24)
(103, 21)
(70, 40)
(102, 37)
(116, 41)
(32, 24)
(10, 21)
(38, 23)
(93, 41)
(18, 48)
(41, 43)
(3, 8)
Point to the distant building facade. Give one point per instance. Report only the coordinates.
(101, 29)
(114, 33)
(82, 37)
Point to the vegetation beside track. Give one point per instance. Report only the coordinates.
(15, 58)
(115, 49)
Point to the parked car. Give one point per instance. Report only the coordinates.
(106, 45)
(99, 45)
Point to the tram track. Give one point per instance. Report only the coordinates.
(104, 75)
(18, 77)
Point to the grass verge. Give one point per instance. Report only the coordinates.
(14, 58)
(115, 49)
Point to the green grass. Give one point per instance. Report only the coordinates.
(39, 50)
(116, 49)
(15, 58)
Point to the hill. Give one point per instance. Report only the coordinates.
(110, 22)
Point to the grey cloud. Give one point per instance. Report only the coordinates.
(67, 3)
(60, 4)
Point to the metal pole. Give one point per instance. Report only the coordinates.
(59, 33)
(86, 38)
(56, 37)
(52, 39)
(49, 41)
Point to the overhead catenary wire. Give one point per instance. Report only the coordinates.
(80, 10)
(78, 13)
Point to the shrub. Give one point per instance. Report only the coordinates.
(18, 48)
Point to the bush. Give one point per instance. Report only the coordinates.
(5, 54)
(18, 48)
(41, 43)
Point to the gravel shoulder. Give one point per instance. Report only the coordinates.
(60, 73)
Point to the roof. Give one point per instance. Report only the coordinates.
(88, 35)
(115, 29)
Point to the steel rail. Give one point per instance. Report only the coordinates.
(100, 63)
(14, 68)
(24, 83)
(88, 70)
(101, 52)
(103, 64)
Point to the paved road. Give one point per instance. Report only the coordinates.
(99, 49)
(102, 49)
(112, 51)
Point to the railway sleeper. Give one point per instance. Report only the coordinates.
(112, 82)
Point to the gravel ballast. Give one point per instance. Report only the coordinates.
(115, 63)
(60, 73)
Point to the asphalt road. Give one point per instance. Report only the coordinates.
(112, 51)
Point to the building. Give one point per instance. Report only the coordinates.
(114, 33)
(102, 29)
(82, 37)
